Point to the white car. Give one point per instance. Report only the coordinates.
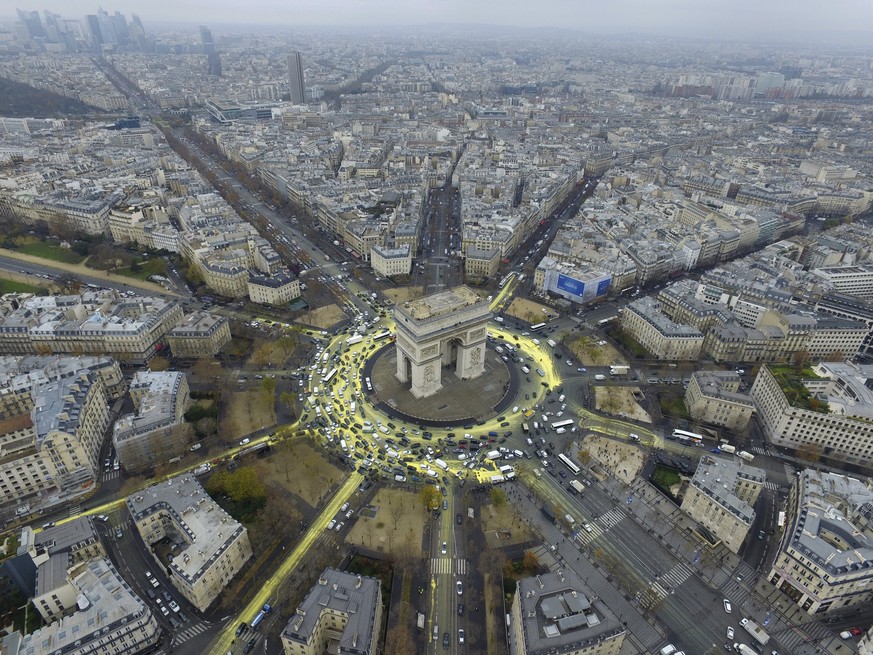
(444, 548)
(244, 441)
(460, 586)
(730, 632)
(331, 525)
(727, 605)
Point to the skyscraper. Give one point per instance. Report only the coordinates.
(296, 87)
(213, 58)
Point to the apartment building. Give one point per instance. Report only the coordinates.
(851, 280)
(644, 321)
(210, 547)
(53, 448)
(341, 614)
(579, 283)
(129, 329)
(825, 558)
(52, 552)
(389, 262)
(721, 496)
(156, 432)
(108, 617)
(713, 397)
(852, 308)
(830, 409)
(479, 264)
(199, 334)
(278, 289)
(556, 614)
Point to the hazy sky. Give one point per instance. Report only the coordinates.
(728, 18)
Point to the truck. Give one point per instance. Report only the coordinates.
(441, 464)
(742, 649)
(547, 512)
(755, 630)
(352, 340)
(419, 622)
(497, 479)
(498, 319)
(725, 448)
(743, 454)
(493, 454)
(619, 370)
(577, 486)
(552, 343)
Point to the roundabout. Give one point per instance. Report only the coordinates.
(459, 402)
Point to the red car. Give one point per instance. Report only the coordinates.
(855, 631)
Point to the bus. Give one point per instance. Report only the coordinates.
(566, 461)
(687, 437)
(330, 376)
(506, 279)
(381, 335)
(562, 424)
(606, 320)
(537, 327)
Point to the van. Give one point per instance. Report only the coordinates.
(436, 632)
(561, 398)
(669, 649)
(515, 410)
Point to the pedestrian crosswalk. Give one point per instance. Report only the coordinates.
(74, 510)
(190, 633)
(109, 475)
(758, 450)
(447, 565)
(772, 486)
(667, 583)
(613, 517)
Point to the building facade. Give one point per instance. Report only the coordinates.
(341, 614)
(156, 432)
(389, 262)
(721, 496)
(713, 397)
(200, 334)
(831, 413)
(825, 558)
(643, 320)
(212, 547)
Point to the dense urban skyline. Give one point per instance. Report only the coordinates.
(781, 20)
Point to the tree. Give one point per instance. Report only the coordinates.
(396, 512)
(244, 484)
(530, 561)
(268, 385)
(399, 639)
(801, 360)
(159, 364)
(430, 497)
(498, 497)
(584, 456)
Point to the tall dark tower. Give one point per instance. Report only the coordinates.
(213, 59)
(296, 85)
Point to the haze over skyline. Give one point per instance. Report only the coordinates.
(733, 20)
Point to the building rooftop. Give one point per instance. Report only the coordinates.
(440, 304)
(105, 605)
(560, 614)
(828, 528)
(717, 477)
(197, 324)
(204, 526)
(352, 595)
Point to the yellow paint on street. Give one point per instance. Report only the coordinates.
(223, 642)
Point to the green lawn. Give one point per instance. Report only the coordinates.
(9, 286)
(154, 266)
(51, 251)
(673, 406)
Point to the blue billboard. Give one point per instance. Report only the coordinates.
(571, 285)
(603, 287)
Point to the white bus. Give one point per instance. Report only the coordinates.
(537, 327)
(566, 461)
(381, 335)
(684, 436)
(562, 424)
(330, 376)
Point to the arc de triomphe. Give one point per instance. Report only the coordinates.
(434, 331)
